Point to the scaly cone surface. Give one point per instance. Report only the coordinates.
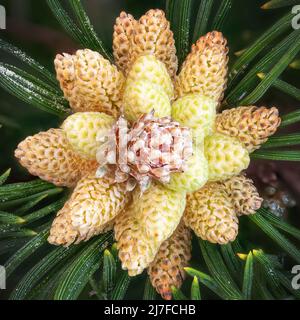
(90, 82)
(90, 211)
(50, 156)
(82, 129)
(243, 194)
(204, 71)
(252, 126)
(167, 269)
(150, 35)
(146, 224)
(211, 214)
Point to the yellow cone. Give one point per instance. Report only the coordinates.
(195, 176)
(226, 157)
(196, 112)
(146, 224)
(142, 97)
(82, 129)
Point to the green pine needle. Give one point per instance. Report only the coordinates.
(203, 15)
(284, 87)
(121, 287)
(275, 4)
(4, 176)
(280, 224)
(41, 213)
(207, 281)
(276, 155)
(180, 25)
(109, 272)
(87, 29)
(222, 15)
(31, 92)
(42, 268)
(248, 83)
(219, 270)
(9, 218)
(276, 236)
(248, 55)
(78, 274)
(22, 56)
(272, 76)
(248, 277)
(26, 251)
(177, 294)
(149, 291)
(290, 118)
(287, 140)
(67, 23)
(195, 289)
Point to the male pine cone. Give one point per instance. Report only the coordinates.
(90, 211)
(167, 269)
(90, 82)
(252, 126)
(211, 215)
(150, 35)
(243, 194)
(150, 219)
(50, 156)
(204, 71)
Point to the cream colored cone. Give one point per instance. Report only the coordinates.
(204, 71)
(94, 203)
(90, 82)
(123, 32)
(49, 156)
(251, 125)
(63, 233)
(211, 214)
(153, 36)
(243, 195)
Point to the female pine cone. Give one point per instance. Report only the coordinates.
(152, 149)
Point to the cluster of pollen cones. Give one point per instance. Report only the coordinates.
(152, 205)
